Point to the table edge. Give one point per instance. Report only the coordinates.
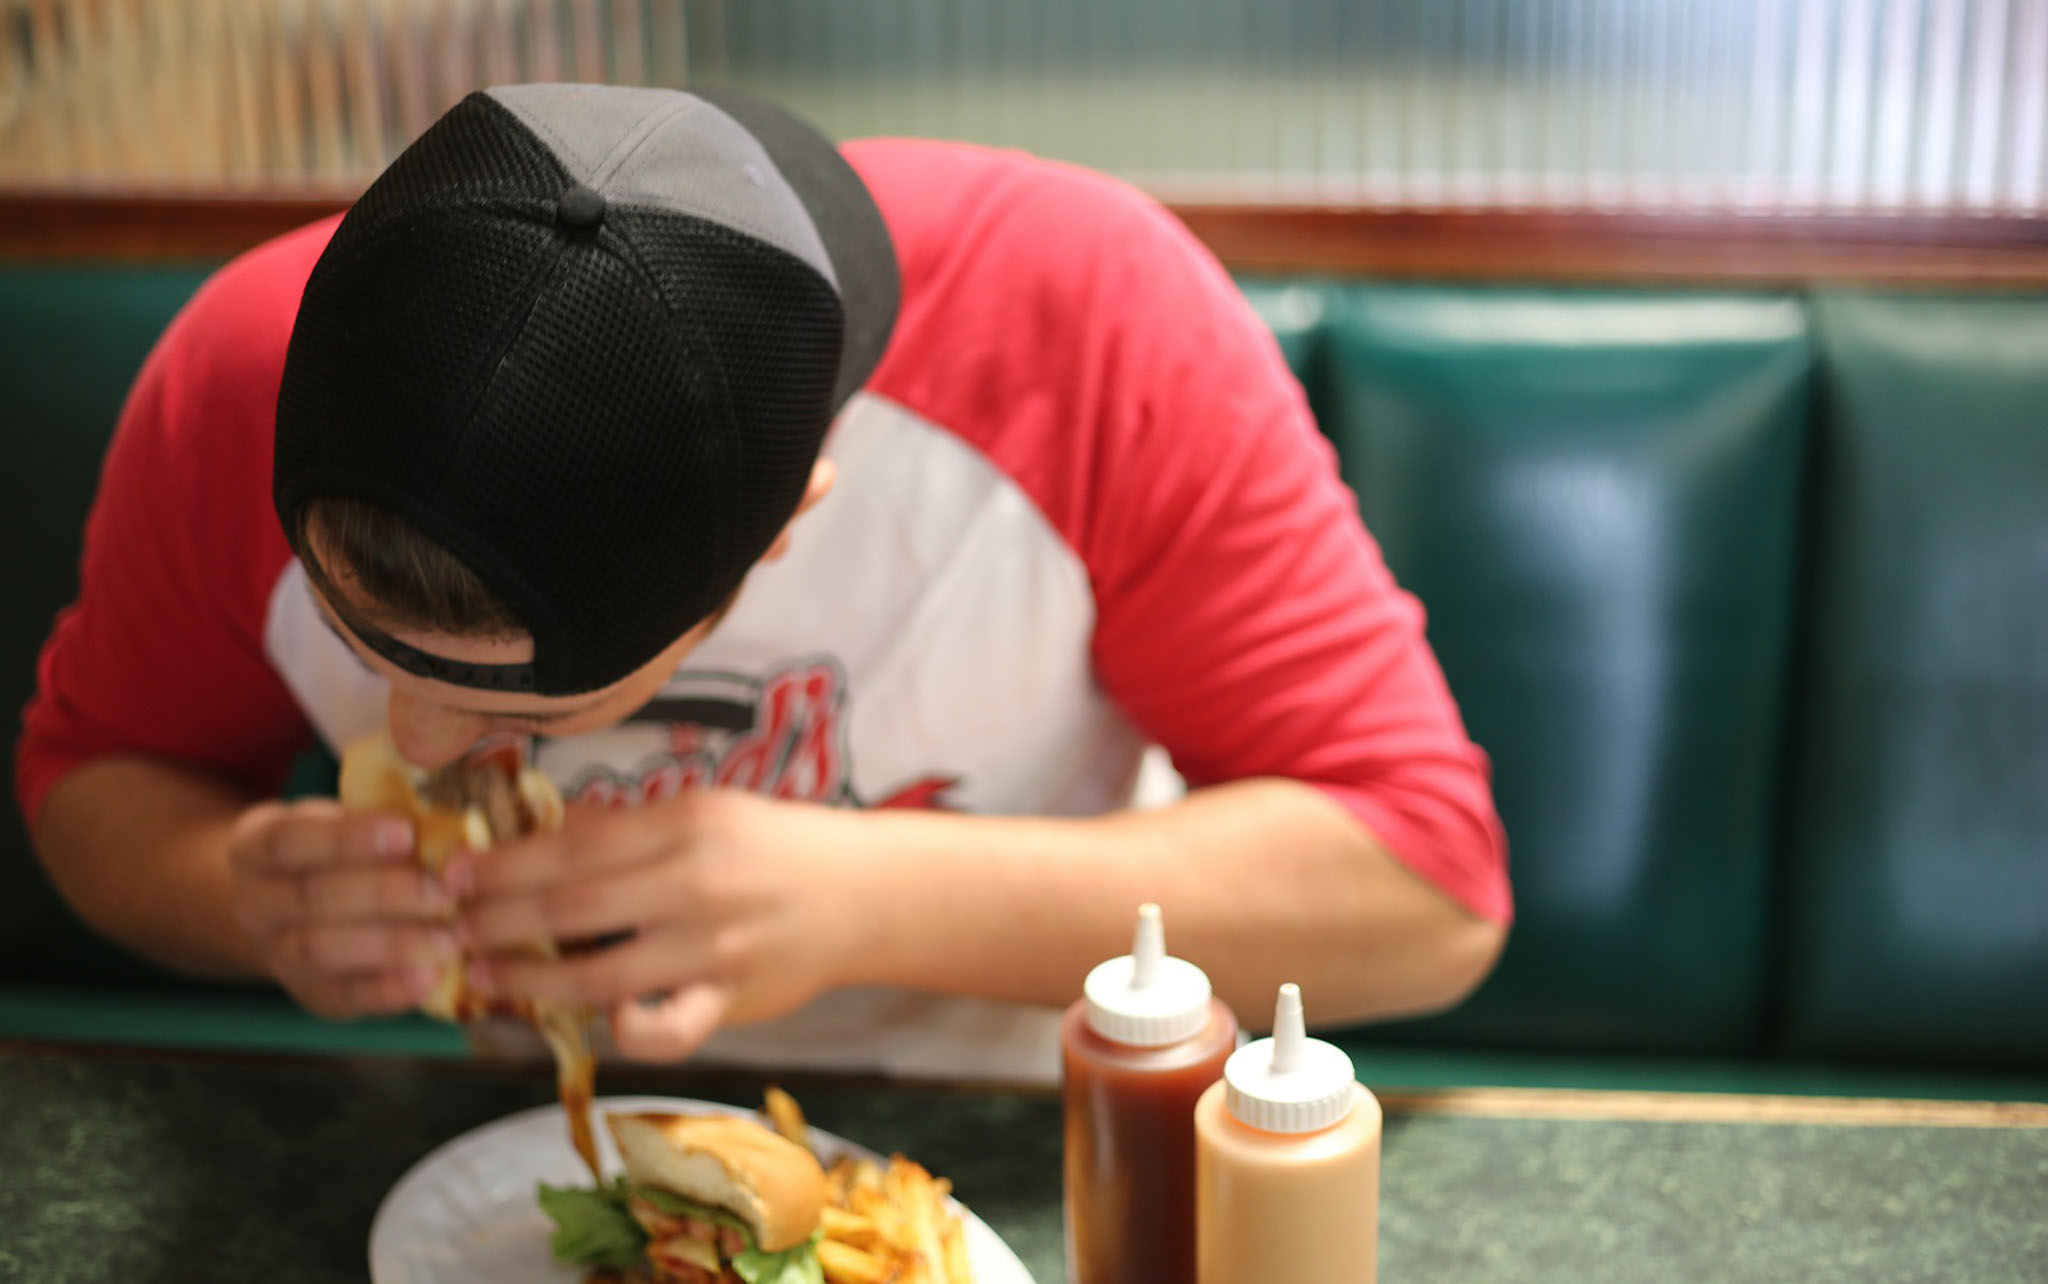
(1711, 1107)
(1618, 1105)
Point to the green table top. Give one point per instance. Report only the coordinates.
(152, 1165)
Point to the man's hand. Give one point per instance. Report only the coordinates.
(342, 917)
(739, 909)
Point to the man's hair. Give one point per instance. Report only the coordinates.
(407, 579)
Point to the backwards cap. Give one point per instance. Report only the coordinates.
(588, 339)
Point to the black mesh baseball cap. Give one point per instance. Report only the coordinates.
(588, 339)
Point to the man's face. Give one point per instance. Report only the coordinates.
(434, 723)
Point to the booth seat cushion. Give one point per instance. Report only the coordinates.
(1917, 897)
(1596, 497)
(71, 340)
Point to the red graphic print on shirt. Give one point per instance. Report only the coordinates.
(782, 735)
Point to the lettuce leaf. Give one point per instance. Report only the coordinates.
(798, 1265)
(592, 1227)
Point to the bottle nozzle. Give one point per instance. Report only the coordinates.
(1289, 1082)
(1148, 947)
(1289, 1033)
(1147, 998)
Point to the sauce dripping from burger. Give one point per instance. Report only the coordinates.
(488, 780)
(575, 1077)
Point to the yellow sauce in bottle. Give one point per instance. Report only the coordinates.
(1287, 1163)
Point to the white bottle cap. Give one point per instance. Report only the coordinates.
(1147, 998)
(1290, 1082)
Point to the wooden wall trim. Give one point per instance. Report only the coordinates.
(1493, 245)
(1633, 248)
(114, 226)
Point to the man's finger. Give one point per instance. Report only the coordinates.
(364, 947)
(381, 993)
(317, 835)
(673, 1028)
(375, 891)
(595, 906)
(266, 902)
(649, 961)
(588, 845)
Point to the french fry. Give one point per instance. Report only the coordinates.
(911, 1188)
(838, 1183)
(888, 1219)
(849, 1227)
(957, 1269)
(845, 1264)
(787, 1117)
(867, 1175)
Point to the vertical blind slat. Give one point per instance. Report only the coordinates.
(1851, 105)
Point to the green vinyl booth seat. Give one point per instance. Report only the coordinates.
(1746, 595)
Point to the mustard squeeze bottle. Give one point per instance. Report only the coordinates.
(1287, 1163)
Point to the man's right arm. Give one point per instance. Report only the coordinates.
(183, 869)
(140, 850)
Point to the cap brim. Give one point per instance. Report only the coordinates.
(848, 222)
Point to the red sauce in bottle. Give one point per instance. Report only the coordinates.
(1130, 1114)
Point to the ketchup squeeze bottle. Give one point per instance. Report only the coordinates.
(1137, 1051)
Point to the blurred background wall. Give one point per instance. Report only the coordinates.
(1855, 106)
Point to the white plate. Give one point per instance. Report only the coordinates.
(466, 1213)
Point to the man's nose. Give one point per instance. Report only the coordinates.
(430, 736)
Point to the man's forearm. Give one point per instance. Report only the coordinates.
(1262, 881)
(139, 849)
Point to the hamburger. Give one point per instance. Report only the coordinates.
(705, 1199)
(474, 804)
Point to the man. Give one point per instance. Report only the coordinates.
(535, 443)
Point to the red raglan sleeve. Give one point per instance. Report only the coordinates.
(1245, 617)
(1085, 341)
(162, 653)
